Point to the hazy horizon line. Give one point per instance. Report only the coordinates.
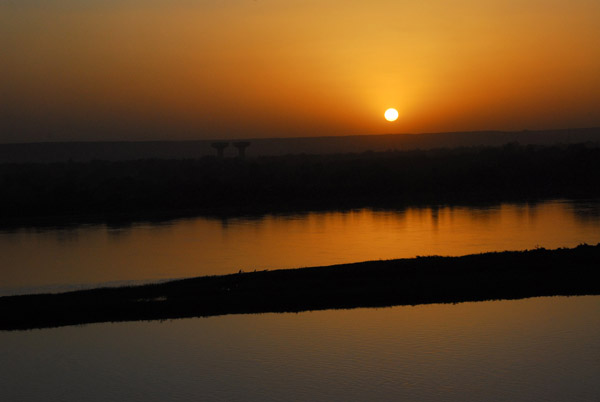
(488, 131)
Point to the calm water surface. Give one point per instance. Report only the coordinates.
(542, 349)
(58, 259)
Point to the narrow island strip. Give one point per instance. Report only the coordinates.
(421, 280)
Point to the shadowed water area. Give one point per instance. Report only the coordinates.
(541, 349)
(82, 256)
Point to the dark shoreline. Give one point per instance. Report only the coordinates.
(129, 191)
(253, 213)
(422, 280)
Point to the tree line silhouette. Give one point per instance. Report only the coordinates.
(208, 185)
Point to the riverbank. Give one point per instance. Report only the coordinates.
(422, 280)
(129, 191)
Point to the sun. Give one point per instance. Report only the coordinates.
(391, 114)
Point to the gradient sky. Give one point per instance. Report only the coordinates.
(197, 69)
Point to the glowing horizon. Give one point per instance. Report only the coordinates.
(137, 70)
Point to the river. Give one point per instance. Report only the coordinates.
(56, 259)
(540, 349)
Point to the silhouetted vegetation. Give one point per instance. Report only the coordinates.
(505, 275)
(130, 150)
(209, 185)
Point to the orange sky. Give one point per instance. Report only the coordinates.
(195, 69)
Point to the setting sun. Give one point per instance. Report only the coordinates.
(391, 114)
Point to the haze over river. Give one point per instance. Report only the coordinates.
(54, 259)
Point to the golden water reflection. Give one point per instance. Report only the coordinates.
(203, 246)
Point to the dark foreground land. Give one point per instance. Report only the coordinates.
(59, 193)
(504, 275)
